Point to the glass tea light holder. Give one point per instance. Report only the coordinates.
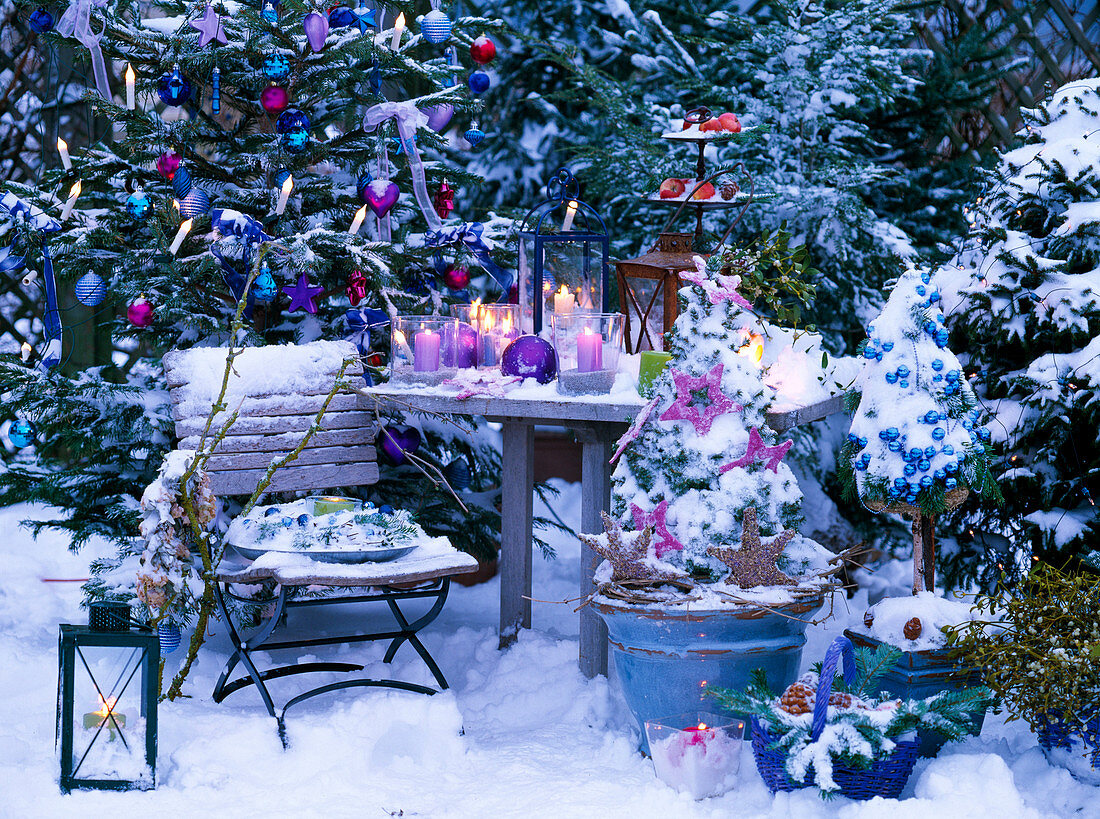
(588, 346)
(698, 754)
(417, 349)
(460, 351)
(498, 326)
(327, 504)
(653, 363)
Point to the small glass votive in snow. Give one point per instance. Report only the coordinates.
(417, 346)
(588, 346)
(498, 326)
(461, 352)
(698, 754)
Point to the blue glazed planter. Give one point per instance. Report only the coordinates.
(920, 674)
(666, 661)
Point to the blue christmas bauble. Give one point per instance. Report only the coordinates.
(950, 483)
(195, 204)
(138, 206)
(926, 481)
(938, 434)
(264, 288)
(295, 141)
(271, 510)
(909, 470)
(304, 519)
(169, 636)
(948, 449)
(436, 27)
(341, 17)
(91, 290)
(41, 21)
(903, 371)
(21, 433)
(291, 119)
(362, 185)
(891, 378)
(276, 66)
(479, 82)
(530, 357)
(887, 345)
(181, 182)
(173, 88)
(269, 12)
(474, 136)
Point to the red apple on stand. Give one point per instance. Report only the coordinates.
(672, 188)
(711, 125)
(730, 122)
(704, 192)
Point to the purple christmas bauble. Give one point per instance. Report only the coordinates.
(530, 357)
(459, 351)
(140, 313)
(274, 99)
(396, 441)
(456, 277)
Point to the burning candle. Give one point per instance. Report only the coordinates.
(288, 186)
(398, 30)
(589, 351)
(181, 234)
(63, 149)
(105, 714)
(700, 760)
(25, 352)
(753, 348)
(74, 192)
(426, 352)
(564, 302)
(130, 80)
(570, 214)
(399, 337)
(357, 222)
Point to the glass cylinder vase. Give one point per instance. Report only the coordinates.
(588, 346)
(462, 354)
(498, 326)
(418, 349)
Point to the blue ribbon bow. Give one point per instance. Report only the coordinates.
(360, 321)
(19, 210)
(247, 231)
(470, 235)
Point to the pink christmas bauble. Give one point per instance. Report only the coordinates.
(140, 313)
(483, 50)
(167, 164)
(274, 99)
(456, 277)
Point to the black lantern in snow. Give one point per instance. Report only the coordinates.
(107, 703)
(563, 250)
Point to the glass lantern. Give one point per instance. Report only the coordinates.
(107, 707)
(563, 256)
(422, 349)
(498, 326)
(698, 754)
(587, 346)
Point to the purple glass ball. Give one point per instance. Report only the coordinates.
(274, 99)
(460, 352)
(456, 277)
(396, 441)
(530, 357)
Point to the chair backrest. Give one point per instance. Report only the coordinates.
(277, 391)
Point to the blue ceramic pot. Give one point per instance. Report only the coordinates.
(666, 661)
(920, 674)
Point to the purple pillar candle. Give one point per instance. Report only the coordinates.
(589, 352)
(460, 351)
(426, 352)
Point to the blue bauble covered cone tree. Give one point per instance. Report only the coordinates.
(915, 446)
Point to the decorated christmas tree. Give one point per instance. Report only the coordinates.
(1022, 296)
(915, 445)
(298, 145)
(701, 487)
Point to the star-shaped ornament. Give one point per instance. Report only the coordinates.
(210, 27)
(655, 521)
(684, 407)
(757, 451)
(302, 294)
(724, 288)
(754, 563)
(364, 19)
(628, 560)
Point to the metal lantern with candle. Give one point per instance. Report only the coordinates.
(563, 256)
(587, 346)
(107, 703)
(417, 349)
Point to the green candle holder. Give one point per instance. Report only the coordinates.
(653, 364)
(327, 504)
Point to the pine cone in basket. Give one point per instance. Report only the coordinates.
(912, 628)
(798, 698)
(868, 618)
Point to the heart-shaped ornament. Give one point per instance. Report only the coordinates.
(439, 116)
(382, 195)
(397, 441)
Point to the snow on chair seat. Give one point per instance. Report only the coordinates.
(277, 392)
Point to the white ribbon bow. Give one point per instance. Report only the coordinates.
(77, 22)
(408, 118)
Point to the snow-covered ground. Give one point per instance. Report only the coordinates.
(521, 733)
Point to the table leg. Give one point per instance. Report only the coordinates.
(517, 485)
(595, 498)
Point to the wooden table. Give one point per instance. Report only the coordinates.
(598, 424)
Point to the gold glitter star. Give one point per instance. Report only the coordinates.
(754, 563)
(627, 559)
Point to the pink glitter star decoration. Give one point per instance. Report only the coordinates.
(635, 430)
(757, 451)
(724, 289)
(684, 407)
(666, 542)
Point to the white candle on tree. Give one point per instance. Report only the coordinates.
(357, 222)
(398, 30)
(288, 186)
(70, 203)
(63, 149)
(130, 80)
(181, 234)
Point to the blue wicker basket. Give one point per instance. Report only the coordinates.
(885, 777)
(1056, 734)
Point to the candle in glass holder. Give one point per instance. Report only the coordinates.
(426, 352)
(589, 351)
(702, 759)
(564, 302)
